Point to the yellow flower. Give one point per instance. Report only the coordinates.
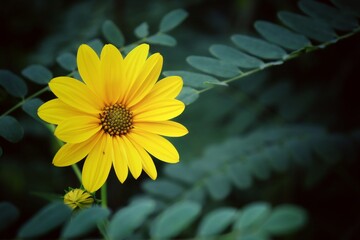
(116, 115)
(78, 199)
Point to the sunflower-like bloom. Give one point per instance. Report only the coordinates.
(78, 199)
(116, 116)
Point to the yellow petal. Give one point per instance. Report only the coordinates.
(55, 111)
(133, 64)
(166, 88)
(98, 164)
(147, 162)
(166, 128)
(158, 111)
(76, 94)
(112, 73)
(89, 68)
(146, 79)
(133, 157)
(120, 159)
(156, 145)
(71, 153)
(77, 129)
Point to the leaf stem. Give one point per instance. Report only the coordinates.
(77, 171)
(290, 56)
(19, 104)
(104, 196)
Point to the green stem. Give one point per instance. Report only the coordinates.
(19, 104)
(77, 171)
(104, 196)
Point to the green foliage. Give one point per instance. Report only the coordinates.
(84, 221)
(67, 61)
(112, 33)
(12, 83)
(199, 197)
(38, 74)
(47, 219)
(130, 218)
(180, 215)
(172, 20)
(10, 129)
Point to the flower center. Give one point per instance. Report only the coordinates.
(116, 120)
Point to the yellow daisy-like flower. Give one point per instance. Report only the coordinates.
(78, 199)
(116, 115)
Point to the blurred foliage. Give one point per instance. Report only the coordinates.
(272, 155)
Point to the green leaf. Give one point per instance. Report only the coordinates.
(213, 66)
(163, 188)
(218, 186)
(180, 172)
(216, 221)
(239, 175)
(67, 61)
(12, 83)
(172, 20)
(281, 36)
(252, 216)
(312, 28)
(47, 219)
(112, 33)
(97, 45)
(235, 57)
(85, 221)
(188, 95)
(278, 158)
(175, 219)
(38, 74)
(31, 106)
(10, 129)
(258, 165)
(196, 194)
(329, 14)
(243, 119)
(9, 213)
(300, 151)
(142, 30)
(162, 39)
(258, 47)
(285, 219)
(196, 80)
(130, 218)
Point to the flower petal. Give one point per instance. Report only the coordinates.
(77, 129)
(55, 111)
(120, 159)
(146, 79)
(133, 157)
(89, 68)
(112, 73)
(133, 64)
(156, 145)
(147, 162)
(158, 111)
(98, 164)
(166, 88)
(71, 153)
(166, 128)
(76, 94)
